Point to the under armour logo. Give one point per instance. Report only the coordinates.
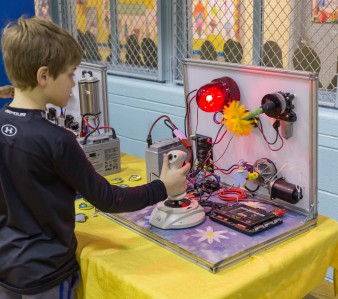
(8, 130)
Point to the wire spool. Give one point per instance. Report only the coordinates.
(232, 194)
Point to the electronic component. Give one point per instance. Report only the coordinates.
(266, 170)
(177, 211)
(51, 114)
(209, 186)
(89, 93)
(177, 214)
(71, 123)
(213, 96)
(281, 107)
(103, 152)
(244, 218)
(206, 186)
(281, 189)
(154, 156)
(60, 120)
(176, 160)
(203, 149)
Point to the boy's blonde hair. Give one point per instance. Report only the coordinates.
(29, 44)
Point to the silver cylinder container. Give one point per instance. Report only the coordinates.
(89, 94)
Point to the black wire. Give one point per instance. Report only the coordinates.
(96, 128)
(252, 191)
(231, 167)
(169, 126)
(87, 114)
(211, 148)
(186, 112)
(196, 121)
(277, 132)
(225, 148)
(155, 175)
(113, 132)
(208, 203)
(172, 127)
(96, 115)
(219, 131)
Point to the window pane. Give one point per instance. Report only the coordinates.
(121, 34)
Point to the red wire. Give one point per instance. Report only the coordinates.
(190, 155)
(88, 124)
(232, 194)
(224, 172)
(162, 116)
(279, 212)
(236, 194)
(275, 150)
(216, 142)
(205, 160)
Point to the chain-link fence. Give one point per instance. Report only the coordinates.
(148, 39)
(301, 35)
(121, 34)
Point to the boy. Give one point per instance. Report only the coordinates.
(42, 167)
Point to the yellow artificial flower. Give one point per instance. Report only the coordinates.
(234, 118)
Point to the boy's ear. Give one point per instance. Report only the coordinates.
(42, 75)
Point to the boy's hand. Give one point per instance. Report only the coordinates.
(6, 91)
(174, 179)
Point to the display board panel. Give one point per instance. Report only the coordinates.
(295, 157)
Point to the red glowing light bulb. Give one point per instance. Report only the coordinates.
(213, 96)
(210, 97)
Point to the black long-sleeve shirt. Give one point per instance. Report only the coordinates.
(42, 167)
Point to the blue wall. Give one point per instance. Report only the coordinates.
(10, 11)
(135, 104)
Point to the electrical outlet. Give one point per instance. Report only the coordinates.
(203, 148)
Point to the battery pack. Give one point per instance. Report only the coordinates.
(154, 156)
(103, 152)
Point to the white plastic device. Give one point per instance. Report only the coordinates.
(176, 211)
(176, 160)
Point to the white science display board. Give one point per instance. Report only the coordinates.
(282, 161)
(294, 157)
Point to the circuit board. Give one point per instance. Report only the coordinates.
(244, 218)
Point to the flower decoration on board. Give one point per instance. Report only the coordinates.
(235, 119)
(210, 235)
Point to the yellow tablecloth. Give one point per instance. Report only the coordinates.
(118, 263)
